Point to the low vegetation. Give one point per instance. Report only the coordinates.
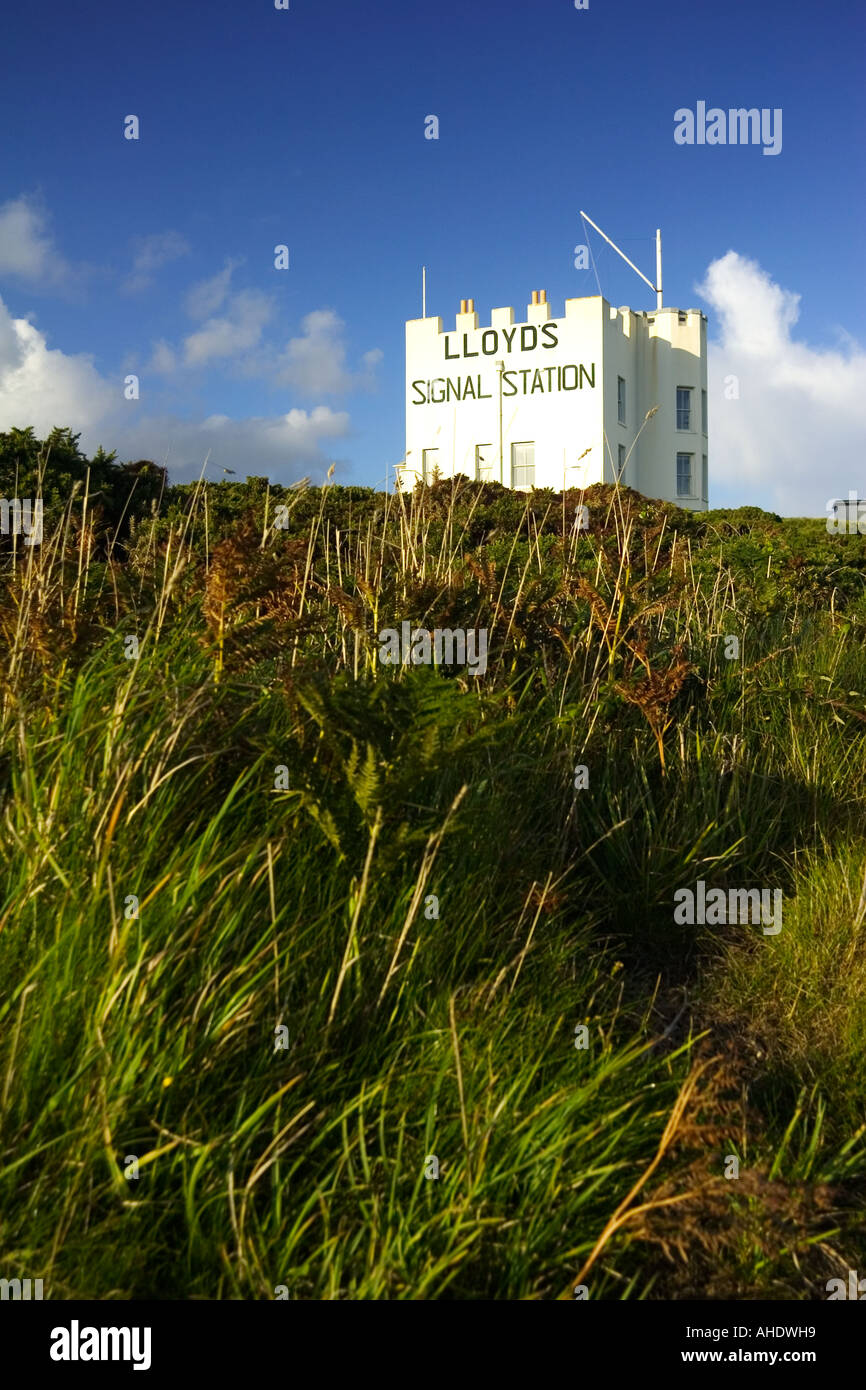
(286, 932)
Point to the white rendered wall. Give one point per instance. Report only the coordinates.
(548, 397)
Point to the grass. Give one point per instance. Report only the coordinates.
(293, 931)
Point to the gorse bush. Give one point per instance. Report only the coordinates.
(353, 980)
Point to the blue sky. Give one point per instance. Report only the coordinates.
(306, 127)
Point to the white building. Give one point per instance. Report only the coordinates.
(559, 402)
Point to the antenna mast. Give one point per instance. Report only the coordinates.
(659, 267)
(657, 288)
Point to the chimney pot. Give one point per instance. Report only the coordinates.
(535, 296)
(470, 306)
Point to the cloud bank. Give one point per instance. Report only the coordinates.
(45, 387)
(787, 422)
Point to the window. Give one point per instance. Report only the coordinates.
(429, 462)
(484, 462)
(620, 463)
(705, 479)
(620, 399)
(684, 407)
(684, 475)
(703, 412)
(523, 465)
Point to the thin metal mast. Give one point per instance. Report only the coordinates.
(659, 267)
(657, 288)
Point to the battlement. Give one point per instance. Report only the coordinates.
(663, 323)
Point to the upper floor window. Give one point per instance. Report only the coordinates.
(704, 412)
(684, 407)
(620, 399)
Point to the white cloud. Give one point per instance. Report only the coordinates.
(235, 332)
(231, 331)
(44, 387)
(795, 436)
(209, 295)
(151, 253)
(163, 359)
(26, 246)
(315, 363)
